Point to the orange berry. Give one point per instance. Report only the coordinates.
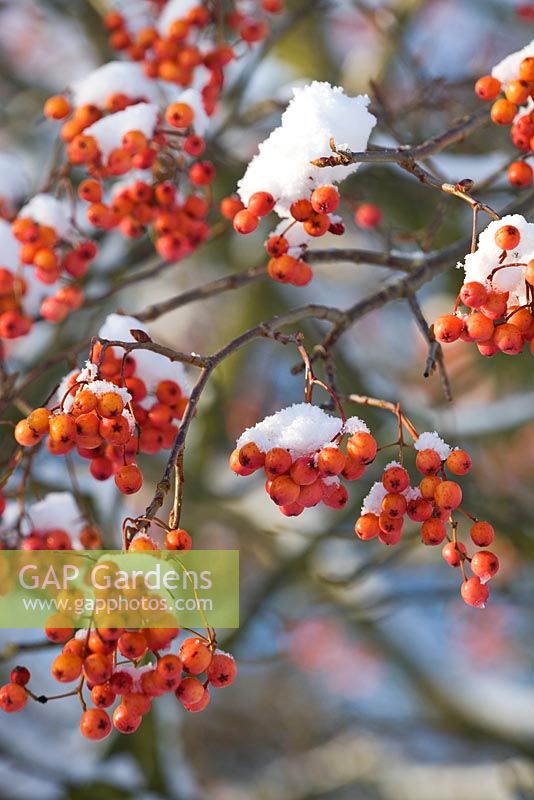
(13, 698)
(110, 405)
(56, 107)
(507, 237)
(277, 462)
(520, 174)
(222, 670)
(251, 457)
(230, 206)
(448, 495)
(179, 115)
(367, 526)
(62, 428)
(26, 435)
(236, 465)
(433, 531)
(244, 222)
(261, 204)
(362, 447)
(482, 534)
(325, 199)
(330, 461)
(128, 479)
(428, 461)
(459, 462)
(474, 593)
(284, 491)
(195, 656)
(495, 304)
(517, 92)
(394, 505)
(95, 724)
(301, 210)
(66, 667)
(395, 479)
(479, 328)
(428, 486)
(473, 294)
(508, 339)
(503, 112)
(488, 87)
(97, 668)
(448, 328)
(178, 539)
(526, 69)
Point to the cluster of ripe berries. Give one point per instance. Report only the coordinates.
(105, 421)
(287, 264)
(179, 226)
(506, 111)
(202, 38)
(58, 539)
(314, 215)
(105, 660)
(433, 505)
(306, 481)
(493, 324)
(51, 257)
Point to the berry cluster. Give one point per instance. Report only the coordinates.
(299, 473)
(106, 661)
(496, 320)
(178, 48)
(514, 109)
(106, 414)
(49, 244)
(287, 264)
(433, 503)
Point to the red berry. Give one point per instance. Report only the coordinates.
(459, 462)
(448, 328)
(13, 698)
(260, 204)
(222, 670)
(325, 199)
(507, 237)
(485, 565)
(367, 526)
(368, 216)
(95, 724)
(245, 222)
(395, 479)
(488, 87)
(474, 593)
(452, 553)
(482, 534)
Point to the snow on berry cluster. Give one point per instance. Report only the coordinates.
(283, 179)
(514, 77)
(114, 408)
(107, 660)
(53, 523)
(52, 249)
(300, 450)
(432, 503)
(498, 291)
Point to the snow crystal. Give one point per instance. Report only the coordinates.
(317, 113)
(48, 210)
(301, 428)
(393, 464)
(412, 493)
(431, 441)
(355, 425)
(14, 181)
(508, 68)
(110, 130)
(480, 264)
(175, 9)
(116, 77)
(151, 367)
(372, 503)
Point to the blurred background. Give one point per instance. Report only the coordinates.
(362, 674)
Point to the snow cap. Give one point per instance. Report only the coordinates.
(317, 113)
